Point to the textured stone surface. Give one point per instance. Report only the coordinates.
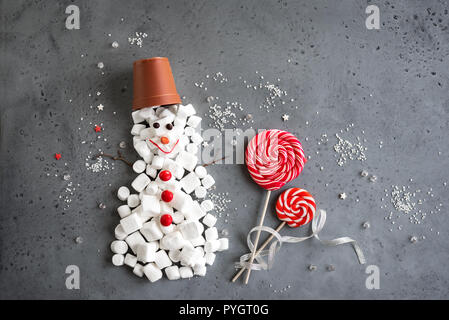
(391, 83)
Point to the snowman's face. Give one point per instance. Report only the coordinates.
(164, 134)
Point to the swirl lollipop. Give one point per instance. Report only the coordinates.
(273, 158)
(295, 207)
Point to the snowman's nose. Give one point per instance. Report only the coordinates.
(165, 140)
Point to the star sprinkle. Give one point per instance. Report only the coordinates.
(342, 196)
(285, 117)
(100, 107)
(97, 128)
(205, 143)
(57, 156)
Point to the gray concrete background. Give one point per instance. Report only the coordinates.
(391, 83)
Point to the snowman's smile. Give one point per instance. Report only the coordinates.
(164, 151)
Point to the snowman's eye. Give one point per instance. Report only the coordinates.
(169, 126)
(156, 125)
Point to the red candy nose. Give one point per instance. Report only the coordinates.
(167, 195)
(165, 175)
(166, 220)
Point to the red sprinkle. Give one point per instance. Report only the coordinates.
(97, 129)
(57, 156)
(165, 175)
(166, 220)
(167, 195)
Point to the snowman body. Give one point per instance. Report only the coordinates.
(166, 224)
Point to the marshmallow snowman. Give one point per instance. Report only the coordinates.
(166, 224)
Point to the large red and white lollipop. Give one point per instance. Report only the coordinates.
(273, 158)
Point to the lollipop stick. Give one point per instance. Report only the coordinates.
(262, 218)
(238, 274)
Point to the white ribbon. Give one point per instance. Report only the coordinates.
(318, 222)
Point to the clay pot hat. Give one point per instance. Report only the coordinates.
(153, 83)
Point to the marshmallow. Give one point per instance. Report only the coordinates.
(152, 272)
(138, 270)
(208, 181)
(210, 258)
(190, 182)
(141, 182)
(133, 200)
(151, 188)
(174, 255)
(131, 223)
(185, 272)
(201, 172)
(139, 166)
(147, 112)
(119, 246)
(120, 234)
(146, 133)
(187, 160)
(143, 215)
(224, 244)
(124, 211)
(133, 240)
(162, 260)
(137, 117)
(186, 111)
(146, 252)
(166, 208)
(150, 171)
(192, 148)
(189, 230)
(200, 192)
(173, 241)
(194, 121)
(211, 234)
(142, 149)
(197, 212)
(135, 130)
(189, 256)
(177, 217)
(123, 193)
(179, 122)
(158, 162)
(181, 201)
(151, 231)
(189, 131)
(117, 259)
(176, 169)
(200, 270)
(167, 229)
(199, 241)
(196, 138)
(209, 220)
(130, 260)
(151, 204)
(173, 273)
(207, 205)
(212, 246)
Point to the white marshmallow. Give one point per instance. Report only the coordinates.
(146, 133)
(118, 259)
(194, 121)
(189, 131)
(120, 234)
(200, 192)
(210, 258)
(137, 118)
(166, 208)
(189, 256)
(143, 215)
(176, 169)
(224, 244)
(139, 166)
(185, 272)
(207, 205)
(201, 172)
(199, 241)
(189, 230)
(162, 260)
(179, 122)
(131, 223)
(133, 200)
(174, 255)
(167, 229)
(150, 171)
(119, 246)
(196, 213)
(123, 193)
(135, 130)
(130, 260)
(190, 182)
(200, 270)
(142, 149)
(187, 160)
(146, 252)
(178, 217)
(212, 246)
(147, 112)
(151, 188)
(196, 138)
(186, 111)
(152, 272)
(172, 241)
(209, 220)
(133, 240)
(124, 211)
(181, 201)
(173, 273)
(158, 162)
(211, 234)
(192, 148)
(151, 231)
(151, 204)
(138, 270)
(141, 182)
(208, 181)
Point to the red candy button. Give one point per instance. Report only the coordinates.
(167, 195)
(165, 175)
(166, 220)
(57, 156)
